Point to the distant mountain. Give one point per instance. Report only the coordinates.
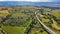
(14, 3)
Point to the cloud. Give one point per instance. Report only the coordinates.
(32, 0)
(29, 0)
(46, 0)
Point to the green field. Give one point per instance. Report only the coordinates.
(13, 29)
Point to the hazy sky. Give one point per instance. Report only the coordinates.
(34, 0)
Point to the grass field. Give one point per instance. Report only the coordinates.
(13, 30)
(45, 20)
(4, 13)
(55, 25)
(56, 13)
(38, 31)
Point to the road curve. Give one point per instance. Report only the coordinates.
(44, 26)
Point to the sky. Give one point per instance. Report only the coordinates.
(34, 0)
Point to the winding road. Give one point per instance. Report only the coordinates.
(44, 26)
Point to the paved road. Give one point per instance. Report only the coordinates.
(44, 26)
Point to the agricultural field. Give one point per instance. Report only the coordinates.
(22, 20)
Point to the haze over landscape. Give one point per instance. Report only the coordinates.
(34, 0)
(28, 2)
